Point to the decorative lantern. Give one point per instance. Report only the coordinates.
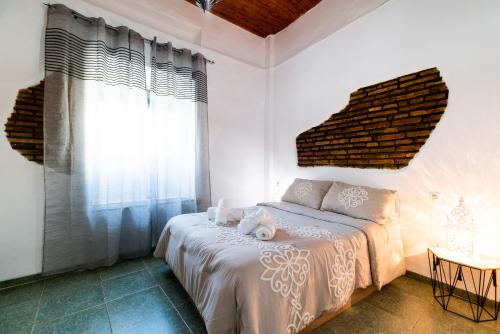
(460, 230)
(207, 4)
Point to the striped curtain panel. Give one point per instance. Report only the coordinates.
(119, 159)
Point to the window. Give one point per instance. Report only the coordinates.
(139, 146)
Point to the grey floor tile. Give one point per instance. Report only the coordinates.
(364, 318)
(436, 320)
(71, 281)
(125, 285)
(492, 325)
(68, 297)
(91, 321)
(399, 303)
(145, 312)
(18, 306)
(20, 294)
(416, 288)
(163, 273)
(18, 318)
(463, 307)
(16, 328)
(152, 262)
(121, 269)
(170, 285)
(193, 319)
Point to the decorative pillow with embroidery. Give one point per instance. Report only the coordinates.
(377, 205)
(307, 192)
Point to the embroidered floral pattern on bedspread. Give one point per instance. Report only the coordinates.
(232, 236)
(342, 275)
(287, 267)
(308, 232)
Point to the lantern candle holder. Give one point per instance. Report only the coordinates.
(460, 230)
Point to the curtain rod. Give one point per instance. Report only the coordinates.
(88, 19)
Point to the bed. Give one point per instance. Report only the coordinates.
(307, 272)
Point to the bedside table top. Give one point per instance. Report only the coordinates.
(478, 262)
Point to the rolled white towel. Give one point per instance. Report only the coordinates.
(265, 231)
(267, 228)
(248, 224)
(268, 221)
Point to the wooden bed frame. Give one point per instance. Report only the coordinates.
(357, 296)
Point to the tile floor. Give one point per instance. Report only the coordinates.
(143, 296)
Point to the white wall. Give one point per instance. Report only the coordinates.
(462, 156)
(236, 94)
(319, 22)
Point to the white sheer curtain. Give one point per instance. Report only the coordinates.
(139, 164)
(173, 150)
(118, 164)
(137, 151)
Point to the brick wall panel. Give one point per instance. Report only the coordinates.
(383, 126)
(24, 127)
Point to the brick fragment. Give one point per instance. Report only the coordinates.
(383, 126)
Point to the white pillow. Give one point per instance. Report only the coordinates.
(307, 192)
(377, 205)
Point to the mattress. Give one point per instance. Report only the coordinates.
(316, 260)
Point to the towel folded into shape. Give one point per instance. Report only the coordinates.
(233, 215)
(248, 224)
(221, 212)
(260, 220)
(266, 230)
(211, 211)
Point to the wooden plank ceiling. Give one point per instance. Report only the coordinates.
(262, 17)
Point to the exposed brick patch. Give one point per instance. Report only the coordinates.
(383, 126)
(24, 127)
